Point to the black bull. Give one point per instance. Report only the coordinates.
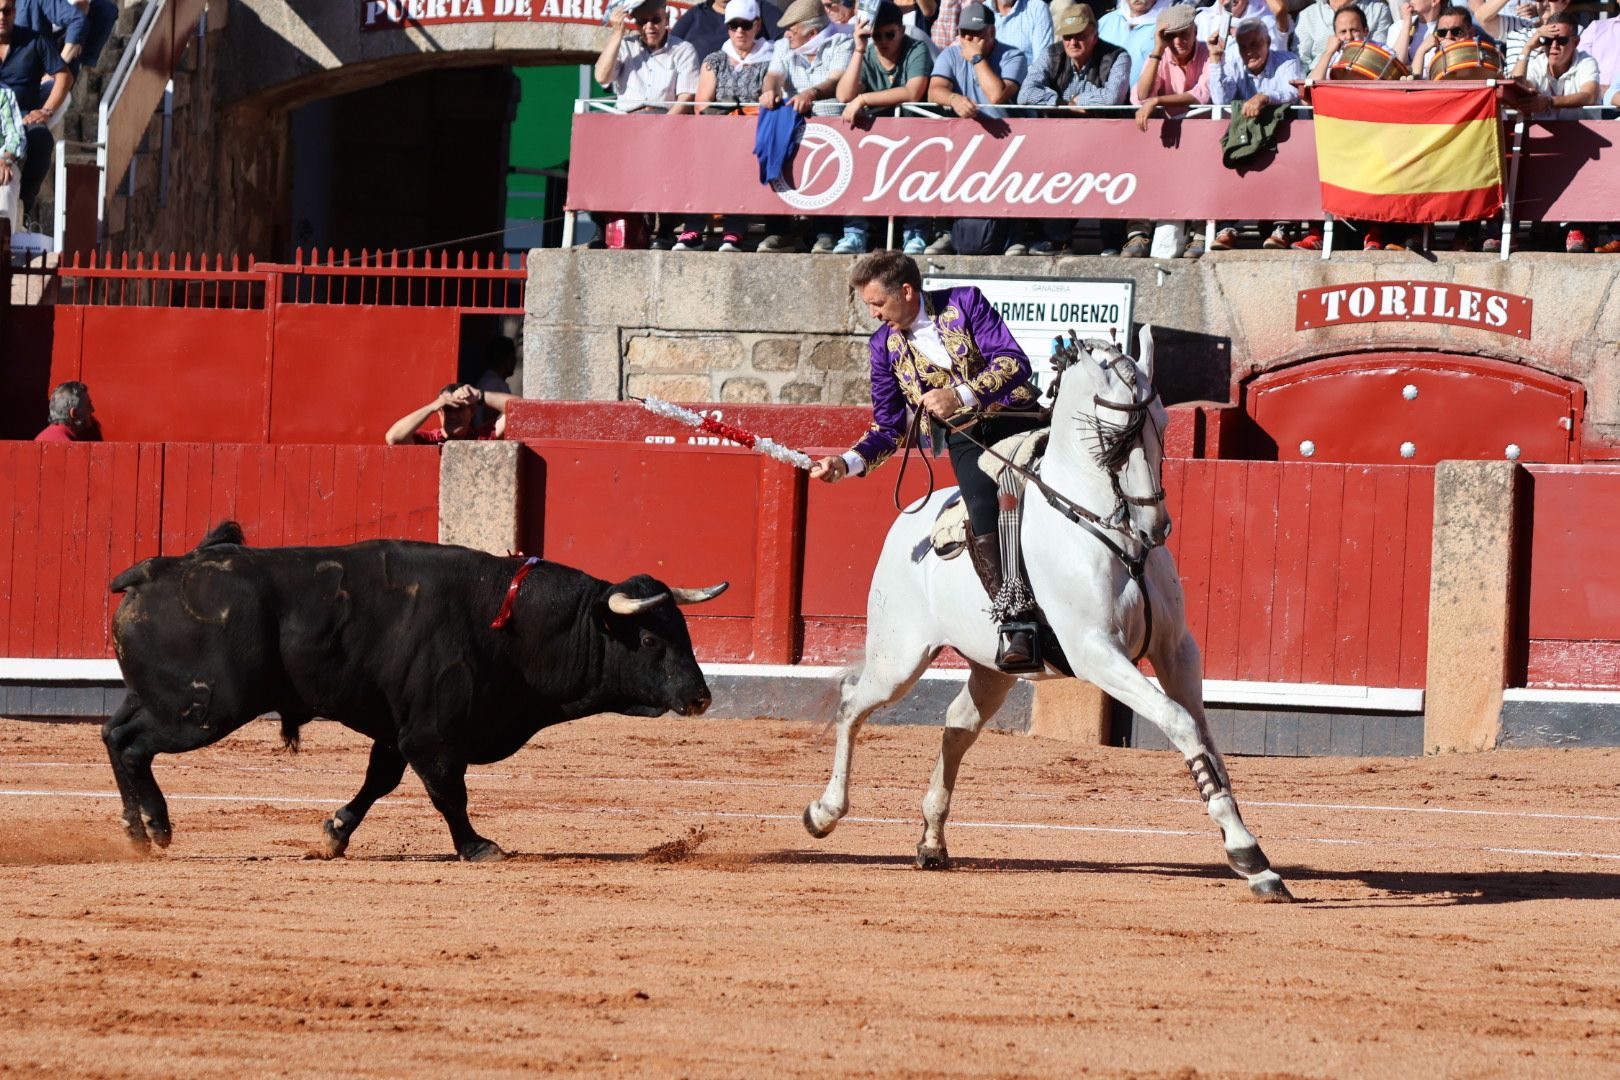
(392, 639)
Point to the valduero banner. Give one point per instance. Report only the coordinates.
(922, 167)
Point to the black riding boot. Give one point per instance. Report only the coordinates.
(1015, 646)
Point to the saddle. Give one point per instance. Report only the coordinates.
(951, 525)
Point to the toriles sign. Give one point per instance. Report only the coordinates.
(398, 14)
(937, 168)
(1413, 301)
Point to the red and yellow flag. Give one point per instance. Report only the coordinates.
(1418, 154)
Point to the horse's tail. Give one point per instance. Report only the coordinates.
(826, 705)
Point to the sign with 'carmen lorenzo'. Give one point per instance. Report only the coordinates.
(1413, 301)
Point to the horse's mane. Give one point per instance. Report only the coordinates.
(1111, 441)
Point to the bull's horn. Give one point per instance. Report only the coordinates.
(620, 604)
(698, 596)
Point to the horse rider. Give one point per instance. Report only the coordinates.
(948, 354)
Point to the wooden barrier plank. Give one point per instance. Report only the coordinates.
(370, 463)
(25, 544)
(15, 457)
(267, 530)
(177, 462)
(247, 504)
(122, 477)
(1322, 578)
(70, 634)
(345, 490)
(1291, 561)
(322, 481)
(1356, 578)
(422, 516)
(1226, 569)
(47, 577)
(292, 477)
(225, 487)
(1387, 588)
(1415, 598)
(1193, 538)
(1257, 582)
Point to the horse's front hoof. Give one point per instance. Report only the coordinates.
(333, 843)
(819, 832)
(932, 858)
(483, 851)
(1269, 889)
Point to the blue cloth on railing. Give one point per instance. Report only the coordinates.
(774, 135)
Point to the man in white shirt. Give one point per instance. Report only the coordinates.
(1314, 28)
(1511, 22)
(651, 67)
(1565, 79)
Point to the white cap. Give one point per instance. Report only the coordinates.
(742, 9)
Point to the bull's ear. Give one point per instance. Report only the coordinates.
(698, 596)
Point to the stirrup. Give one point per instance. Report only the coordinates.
(1018, 665)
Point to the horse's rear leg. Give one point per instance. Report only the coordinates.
(1172, 714)
(883, 681)
(969, 711)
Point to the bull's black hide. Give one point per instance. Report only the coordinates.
(393, 639)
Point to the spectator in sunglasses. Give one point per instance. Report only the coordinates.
(1513, 29)
(1414, 21)
(651, 67)
(1451, 24)
(730, 82)
(1565, 80)
(704, 26)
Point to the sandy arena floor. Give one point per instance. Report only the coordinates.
(668, 915)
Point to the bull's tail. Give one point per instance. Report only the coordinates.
(290, 725)
(226, 532)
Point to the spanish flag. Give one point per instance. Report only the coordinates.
(1417, 153)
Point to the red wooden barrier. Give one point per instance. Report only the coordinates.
(1572, 595)
(1296, 572)
(72, 516)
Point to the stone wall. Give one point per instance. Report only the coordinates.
(722, 327)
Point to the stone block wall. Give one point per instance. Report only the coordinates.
(785, 328)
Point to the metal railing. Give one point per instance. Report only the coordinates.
(477, 282)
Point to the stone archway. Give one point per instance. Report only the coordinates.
(1414, 408)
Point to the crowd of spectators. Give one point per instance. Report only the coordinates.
(975, 60)
(44, 45)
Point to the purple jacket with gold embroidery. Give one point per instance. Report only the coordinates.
(984, 356)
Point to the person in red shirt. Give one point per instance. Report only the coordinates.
(457, 406)
(72, 416)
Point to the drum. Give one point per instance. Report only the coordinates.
(1367, 60)
(1466, 60)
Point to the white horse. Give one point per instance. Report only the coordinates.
(1103, 465)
